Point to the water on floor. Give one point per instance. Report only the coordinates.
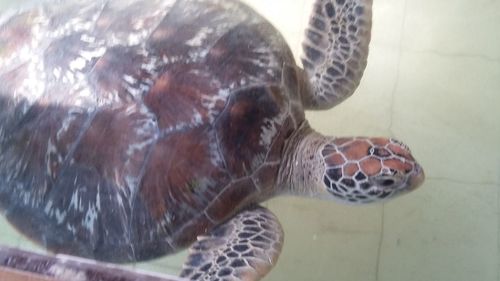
(433, 80)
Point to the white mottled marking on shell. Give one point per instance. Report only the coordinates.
(98, 198)
(151, 65)
(51, 150)
(70, 117)
(209, 102)
(87, 38)
(137, 38)
(197, 119)
(57, 72)
(26, 51)
(96, 53)
(197, 40)
(138, 146)
(77, 64)
(48, 207)
(129, 79)
(33, 87)
(90, 217)
(71, 228)
(60, 216)
(270, 128)
(139, 24)
(75, 202)
(135, 92)
(215, 157)
(268, 131)
(119, 200)
(197, 55)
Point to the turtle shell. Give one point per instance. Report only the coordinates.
(127, 128)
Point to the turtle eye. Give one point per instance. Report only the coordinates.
(404, 146)
(371, 151)
(379, 151)
(387, 182)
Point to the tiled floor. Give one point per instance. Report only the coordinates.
(433, 80)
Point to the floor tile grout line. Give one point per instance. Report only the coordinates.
(452, 55)
(380, 243)
(398, 68)
(391, 123)
(304, 21)
(464, 182)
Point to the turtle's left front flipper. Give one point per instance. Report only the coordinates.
(336, 50)
(245, 247)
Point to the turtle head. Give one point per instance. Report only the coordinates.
(365, 170)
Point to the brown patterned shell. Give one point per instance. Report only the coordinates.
(127, 128)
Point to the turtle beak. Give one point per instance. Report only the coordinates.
(417, 178)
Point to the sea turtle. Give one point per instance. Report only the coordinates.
(132, 129)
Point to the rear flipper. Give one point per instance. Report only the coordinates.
(336, 50)
(245, 247)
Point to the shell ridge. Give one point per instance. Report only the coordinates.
(85, 127)
(134, 195)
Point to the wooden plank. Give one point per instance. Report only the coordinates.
(15, 262)
(16, 275)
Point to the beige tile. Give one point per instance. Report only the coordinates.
(4, 4)
(326, 241)
(388, 23)
(8, 236)
(445, 232)
(449, 107)
(289, 17)
(454, 27)
(170, 264)
(9, 4)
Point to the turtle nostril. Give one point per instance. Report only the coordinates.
(387, 182)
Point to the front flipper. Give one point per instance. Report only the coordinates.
(336, 50)
(245, 247)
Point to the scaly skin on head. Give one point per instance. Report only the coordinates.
(353, 170)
